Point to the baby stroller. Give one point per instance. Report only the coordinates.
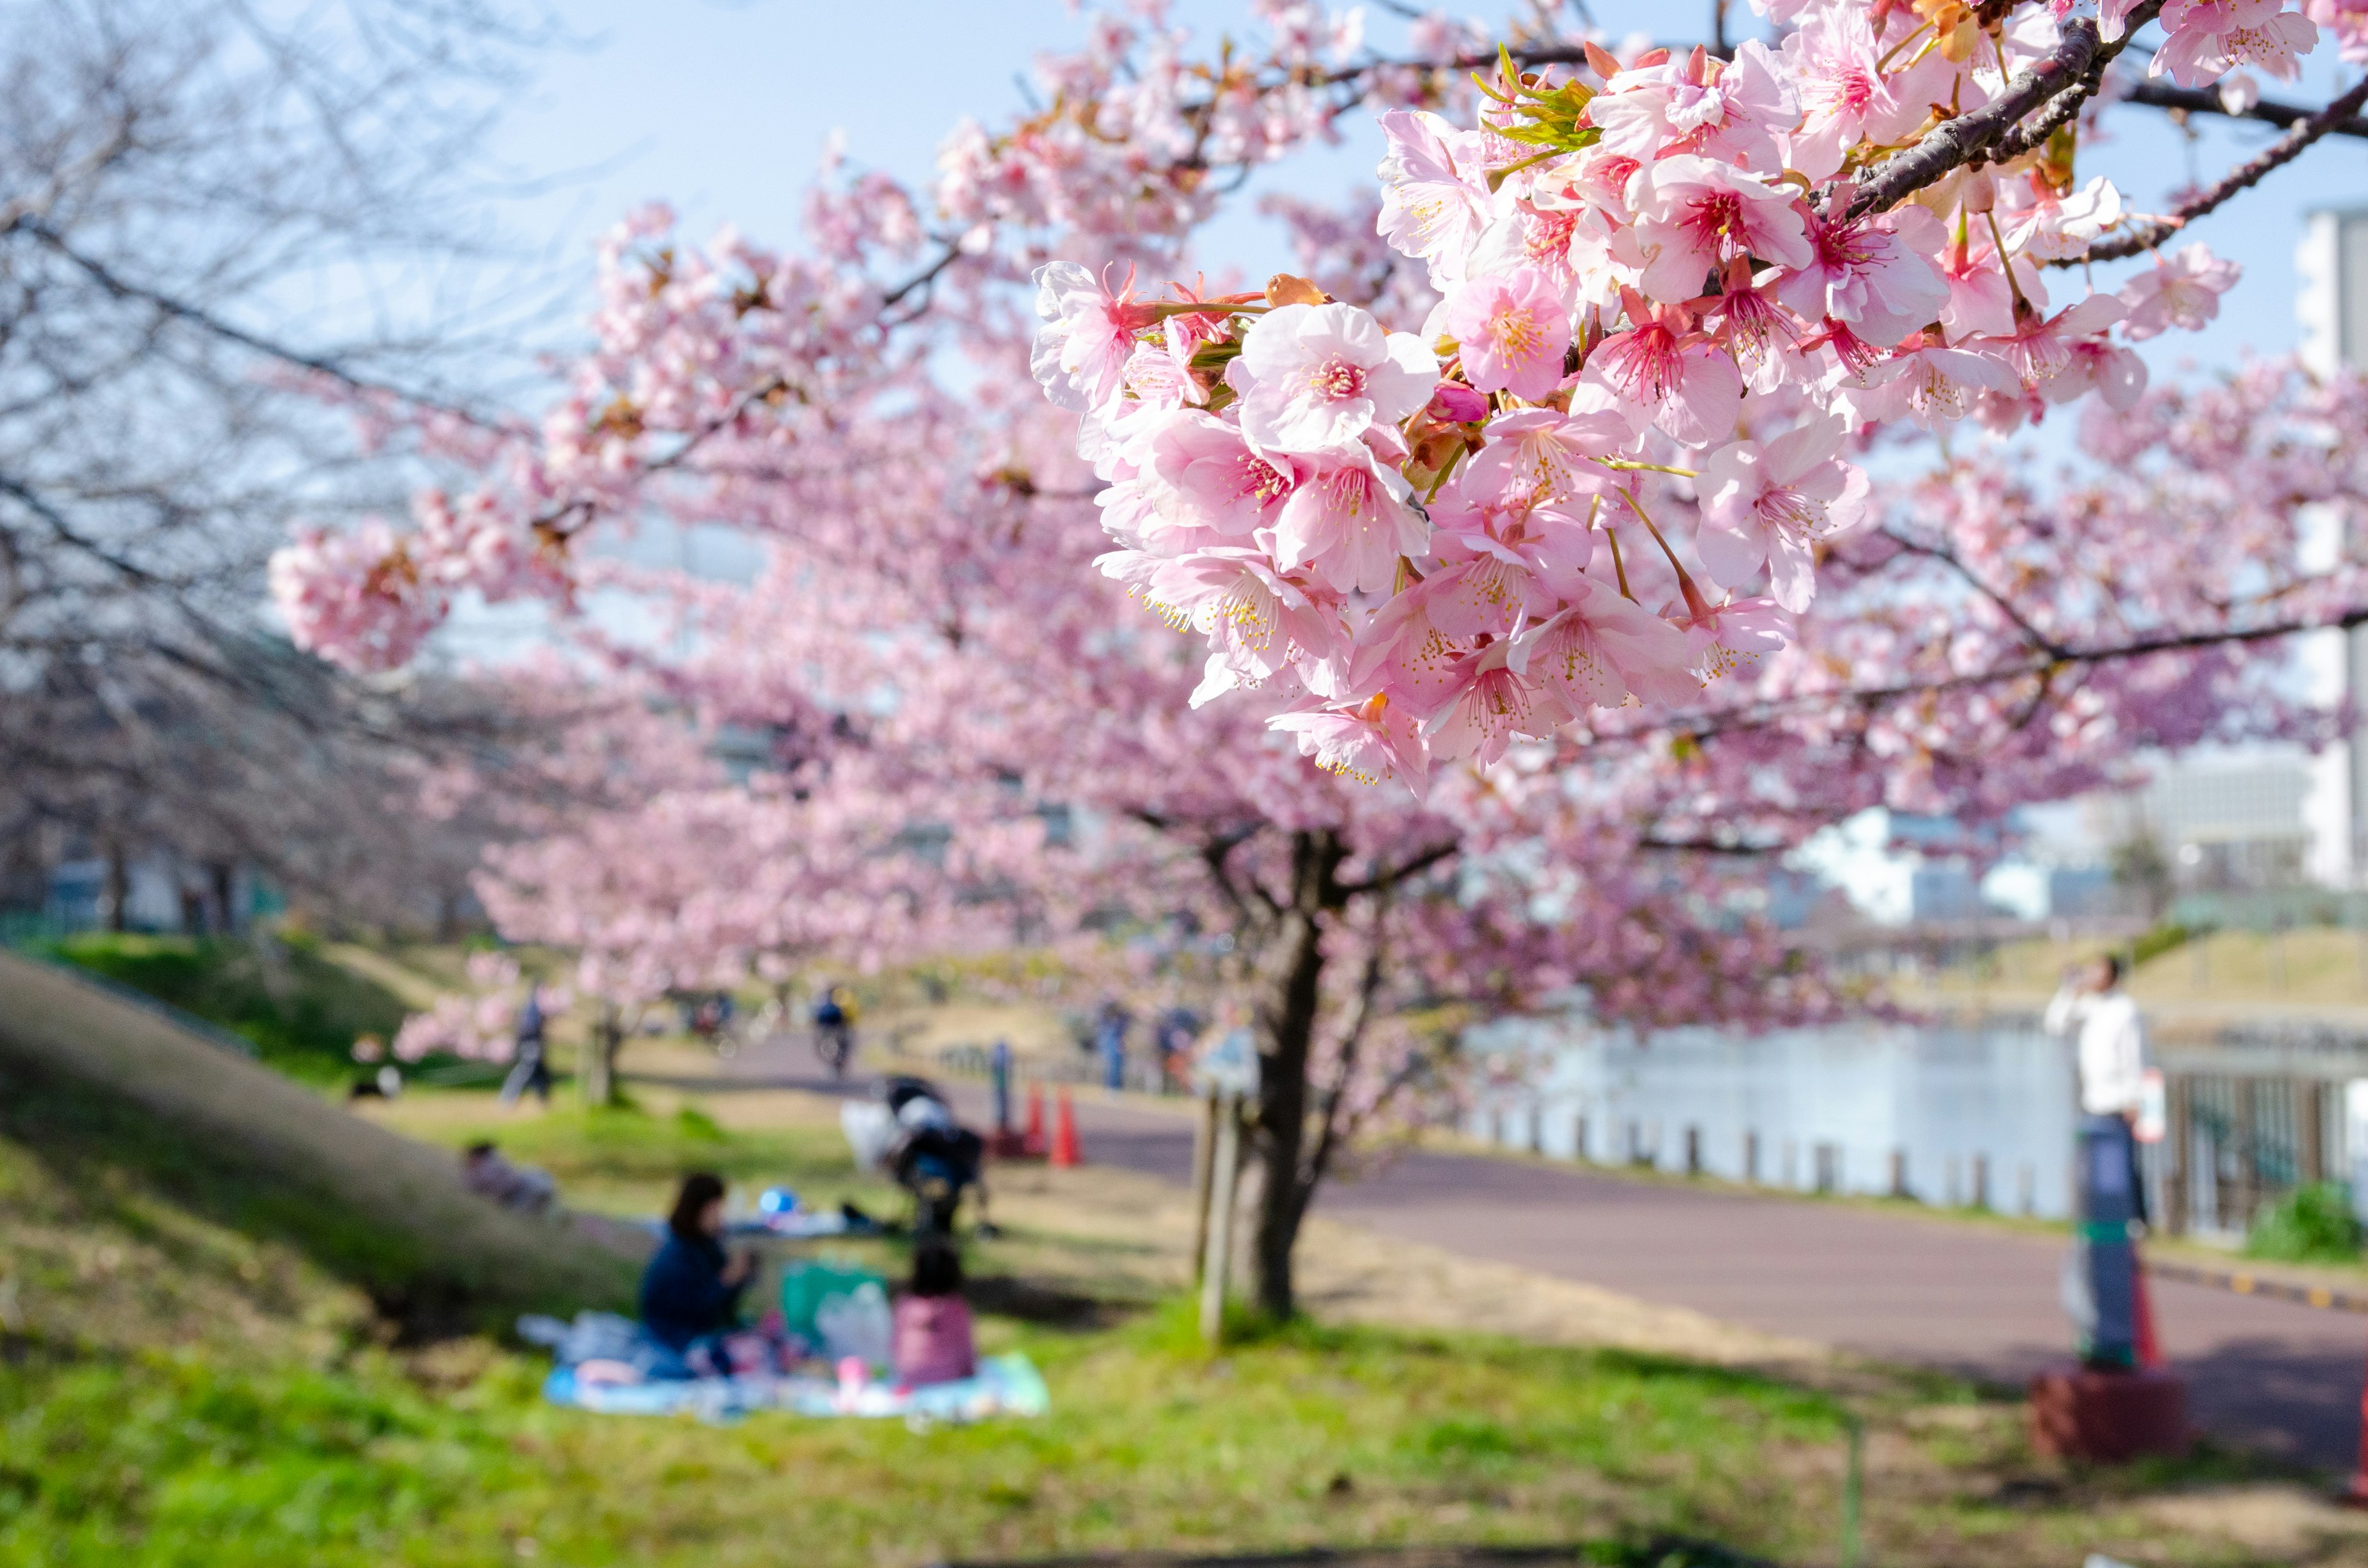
(912, 1135)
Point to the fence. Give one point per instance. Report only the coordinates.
(2233, 1146)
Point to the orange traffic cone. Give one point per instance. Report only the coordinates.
(1067, 1151)
(1033, 1144)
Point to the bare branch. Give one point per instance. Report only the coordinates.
(2205, 100)
(2143, 237)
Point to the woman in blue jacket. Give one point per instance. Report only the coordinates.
(691, 1290)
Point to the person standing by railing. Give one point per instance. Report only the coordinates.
(2110, 1057)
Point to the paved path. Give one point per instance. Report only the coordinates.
(1901, 1288)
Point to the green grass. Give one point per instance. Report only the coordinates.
(1308, 1436)
(301, 1019)
(258, 1411)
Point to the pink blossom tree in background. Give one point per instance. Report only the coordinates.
(1564, 546)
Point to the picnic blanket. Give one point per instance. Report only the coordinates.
(1006, 1385)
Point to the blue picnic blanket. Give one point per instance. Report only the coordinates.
(1006, 1385)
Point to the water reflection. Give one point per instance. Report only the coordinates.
(1950, 1115)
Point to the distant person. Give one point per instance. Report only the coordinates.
(690, 1292)
(835, 1030)
(2105, 1293)
(1110, 1040)
(1172, 1037)
(532, 1067)
(2109, 1039)
(935, 1341)
(522, 1188)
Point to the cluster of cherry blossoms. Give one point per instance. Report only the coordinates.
(1420, 545)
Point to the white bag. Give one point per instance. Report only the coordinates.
(872, 1131)
(857, 1324)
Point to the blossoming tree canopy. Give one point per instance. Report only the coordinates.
(1419, 540)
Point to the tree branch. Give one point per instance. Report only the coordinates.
(2285, 149)
(2074, 69)
(1758, 715)
(2006, 607)
(1383, 881)
(179, 309)
(2203, 100)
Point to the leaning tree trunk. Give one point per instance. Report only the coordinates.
(1289, 982)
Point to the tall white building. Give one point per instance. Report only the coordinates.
(2333, 306)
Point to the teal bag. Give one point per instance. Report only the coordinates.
(807, 1285)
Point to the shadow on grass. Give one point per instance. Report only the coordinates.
(1656, 1551)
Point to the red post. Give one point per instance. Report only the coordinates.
(2355, 1494)
(1067, 1151)
(2149, 1346)
(1034, 1143)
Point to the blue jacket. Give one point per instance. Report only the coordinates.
(684, 1295)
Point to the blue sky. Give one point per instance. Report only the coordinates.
(723, 107)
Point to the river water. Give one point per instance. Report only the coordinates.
(1974, 1114)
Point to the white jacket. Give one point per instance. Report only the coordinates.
(2111, 1047)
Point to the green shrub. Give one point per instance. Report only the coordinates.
(2310, 1224)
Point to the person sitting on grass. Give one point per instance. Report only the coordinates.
(691, 1292)
(933, 1340)
(522, 1188)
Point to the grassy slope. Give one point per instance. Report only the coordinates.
(298, 1009)
(191, 1371)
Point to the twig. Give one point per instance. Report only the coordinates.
(2285, 149)
(2203, 100)
(2070, 69)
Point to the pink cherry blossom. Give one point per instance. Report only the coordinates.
(1667, 375)
(1349, 520)
(1316, 377)
(1489, 702)
(1732, 638)
(1209, 464)
(1871, 273)
(1772, 503)
(1603, 647)
(2348, 20)
(1431, 207)
(2179, 290)
(2208, 37)
(1845, 93)
(1693, 214)
(1932, 384)
(1511, 331)
(1088, 335)
(1729, 110)
(2038, 348)
(1372, 744)
(1536, 457)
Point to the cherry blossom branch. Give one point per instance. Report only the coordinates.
(1969, 138)
(2006, 607)
(1381, 881)
(1762, 714)
(2145, 236)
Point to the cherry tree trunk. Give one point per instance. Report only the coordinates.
(600, 1048)
(1290, 985)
